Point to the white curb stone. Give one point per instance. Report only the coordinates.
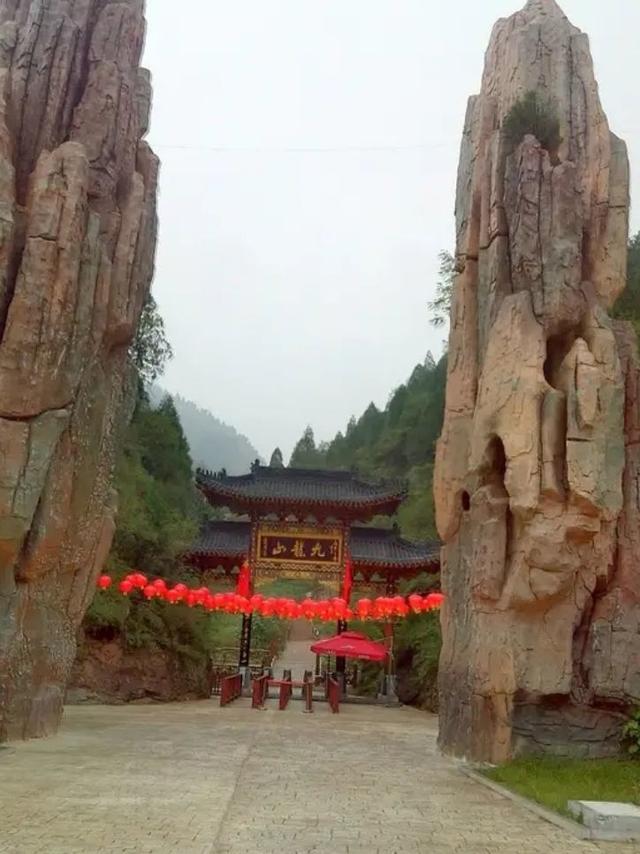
(607, 819)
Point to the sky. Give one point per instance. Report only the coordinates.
(309, 154)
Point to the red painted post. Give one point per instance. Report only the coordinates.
(308, 697)
(259, 692)
(285, 695)
(334, 695)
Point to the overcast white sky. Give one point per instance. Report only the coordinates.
(309, 152)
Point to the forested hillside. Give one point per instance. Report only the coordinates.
(397, 442)
(131, 648)
(213, 444)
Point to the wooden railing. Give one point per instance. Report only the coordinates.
(230, 689)
(334, 694)
(228, 655)
(216, 677)
(260, 688)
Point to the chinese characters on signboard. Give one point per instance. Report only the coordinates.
(299, 548)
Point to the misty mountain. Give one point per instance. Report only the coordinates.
(213, 444)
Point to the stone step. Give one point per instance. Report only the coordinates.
(608, 819)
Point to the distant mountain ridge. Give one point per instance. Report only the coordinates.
(213, 444)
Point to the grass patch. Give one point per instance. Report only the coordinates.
(552, 781)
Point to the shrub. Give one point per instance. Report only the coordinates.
(417, 644)
(631, 733)
(534, 115)
(107, 615)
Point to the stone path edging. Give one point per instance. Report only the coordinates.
(575, 828)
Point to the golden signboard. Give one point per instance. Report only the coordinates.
(298, 551)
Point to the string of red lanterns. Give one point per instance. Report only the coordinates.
(327, 610)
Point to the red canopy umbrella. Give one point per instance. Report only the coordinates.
(351, 645)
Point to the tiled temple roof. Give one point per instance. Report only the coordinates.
(268, 489)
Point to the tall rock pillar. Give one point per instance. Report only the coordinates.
(538, 465)
(77, 244)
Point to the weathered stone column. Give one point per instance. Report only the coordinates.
(77, 244)
(537, 467)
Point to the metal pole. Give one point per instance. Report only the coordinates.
(389, 687)
(341, 663)
(245, 648)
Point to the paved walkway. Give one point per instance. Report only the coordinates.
(187, 778)
(297, 656)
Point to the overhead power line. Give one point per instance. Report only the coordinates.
(302, 149)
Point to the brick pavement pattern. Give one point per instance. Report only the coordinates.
(196, 779)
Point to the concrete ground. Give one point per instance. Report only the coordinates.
(192, 777)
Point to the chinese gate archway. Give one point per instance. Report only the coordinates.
(300, 523)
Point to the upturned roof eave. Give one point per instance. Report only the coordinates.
(225, 497)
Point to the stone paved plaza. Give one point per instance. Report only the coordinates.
(196, 778)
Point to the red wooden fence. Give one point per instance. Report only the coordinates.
(259, 692)
(230, 689)
(216, 676)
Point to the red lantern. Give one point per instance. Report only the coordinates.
(150, 591)
(378, 609)
(294, 611)
(181, 590)
(172, 597)
(198, 596)
(125, 586)
(104, 581)
(402, 609)
(433, 601)
(363, 608)
(415, 603)
(339, 607)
